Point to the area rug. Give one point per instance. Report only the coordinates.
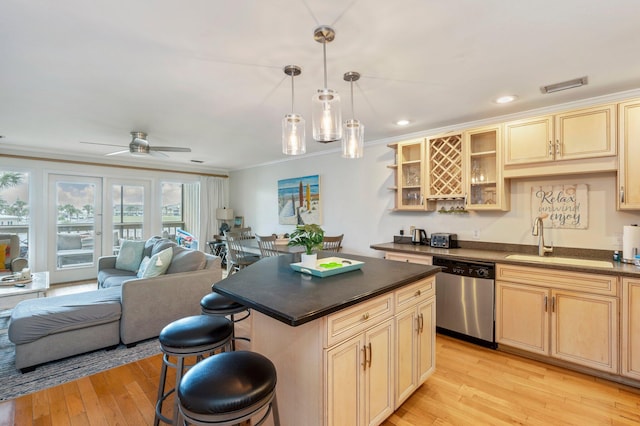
(14, 384)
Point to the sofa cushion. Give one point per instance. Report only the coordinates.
(158, 264)
(110, 277)
(185, 260)
(160, 245)
(35, 318)
(148, 245)
(130, 255)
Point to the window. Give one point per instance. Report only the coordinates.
(128, 213)
(14, 207)
(180, 208)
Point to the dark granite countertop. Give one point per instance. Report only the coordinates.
(492, 254)
(271, 287)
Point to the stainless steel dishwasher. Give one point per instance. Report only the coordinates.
(465, 294)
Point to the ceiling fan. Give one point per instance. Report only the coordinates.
(140, 146)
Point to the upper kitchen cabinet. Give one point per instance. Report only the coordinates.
(445, 174)
(629, 140)
(576, 141)
(410, 171)
(485, 185)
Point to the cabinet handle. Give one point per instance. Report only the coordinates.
(421, 200)
(365, 316)
(364, 355)
(553, 304)
(370, 354)
(421, 328)
(622, 194)
(417, 293)
(558, 147)
(546, 303)
(550, 152)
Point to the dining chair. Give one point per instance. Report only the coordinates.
(245, 233)
(332, 243)
(267, 244)
(237, 258)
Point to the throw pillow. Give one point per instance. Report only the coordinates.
(143, 266)
(158, 264)
(130, 255)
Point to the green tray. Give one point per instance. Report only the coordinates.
(328, 266)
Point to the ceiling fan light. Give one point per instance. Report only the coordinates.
(353, 139)
(293, 135)
(326, 116)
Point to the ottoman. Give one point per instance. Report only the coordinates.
(51, 328)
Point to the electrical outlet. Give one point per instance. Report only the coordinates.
(476, 234)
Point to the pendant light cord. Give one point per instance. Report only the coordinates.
(292, 96)
(324, 53)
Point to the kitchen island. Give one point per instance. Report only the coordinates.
(348, 348)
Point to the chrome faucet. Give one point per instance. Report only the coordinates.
(538, 230)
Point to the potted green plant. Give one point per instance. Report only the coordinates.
(310, 237)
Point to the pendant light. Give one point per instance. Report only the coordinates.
(353, 130)
(293, 133)
(326, 115)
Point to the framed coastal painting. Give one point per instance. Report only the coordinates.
(299, 201)
(238, 222)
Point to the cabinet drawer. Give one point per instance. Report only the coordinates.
(415, 293)
(351, 321)
(577, 281)
(411, 258)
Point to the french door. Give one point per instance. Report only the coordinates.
(74, 227)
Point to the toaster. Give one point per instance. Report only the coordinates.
(443, 240)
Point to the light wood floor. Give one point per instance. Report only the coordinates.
(471, 386)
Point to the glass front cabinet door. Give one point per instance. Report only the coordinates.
(410, 175)
(486, 189)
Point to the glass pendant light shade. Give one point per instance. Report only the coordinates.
(353, 139)
(293, 133)
(326, 116)
(353, 131)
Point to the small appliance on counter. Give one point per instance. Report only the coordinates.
(630, 243)
(419, 236)
(444, 240)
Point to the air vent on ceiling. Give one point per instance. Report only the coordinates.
(577, 82)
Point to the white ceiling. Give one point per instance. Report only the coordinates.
(207, 74)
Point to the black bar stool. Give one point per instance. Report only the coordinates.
(229, 388)
(216, 304)
(191, 336)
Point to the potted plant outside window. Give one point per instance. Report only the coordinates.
(310, 237)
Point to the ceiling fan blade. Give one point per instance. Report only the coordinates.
(169, 148)
(117, 152)
(158, 154)
(104, 144)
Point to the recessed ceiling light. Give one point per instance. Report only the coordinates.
(402, 122)
(505, 99)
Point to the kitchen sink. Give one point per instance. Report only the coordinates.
(561, 260)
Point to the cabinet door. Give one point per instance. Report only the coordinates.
(407, 340)
(586, 133)
(631, 328)
(379, 373)
(628, 170)
(426, 356)
(345, 394)
(410, 176)
(585, 329)
(522, 317)
(485, 187)
(528, 141)
(410, 258)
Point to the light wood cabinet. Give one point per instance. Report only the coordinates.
(409, 175)
(628, 170)
(415, 337)
(410, 258)
(565, 315)
(631, 328)
(360, 377)
(445, 176)
(485, 186)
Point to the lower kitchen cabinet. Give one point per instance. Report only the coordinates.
(415, 348)
(360, 378)
(631, 328)
(564, 315)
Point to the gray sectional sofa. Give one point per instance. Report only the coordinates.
(124, 309)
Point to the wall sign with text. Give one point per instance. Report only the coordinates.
(561, 206)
